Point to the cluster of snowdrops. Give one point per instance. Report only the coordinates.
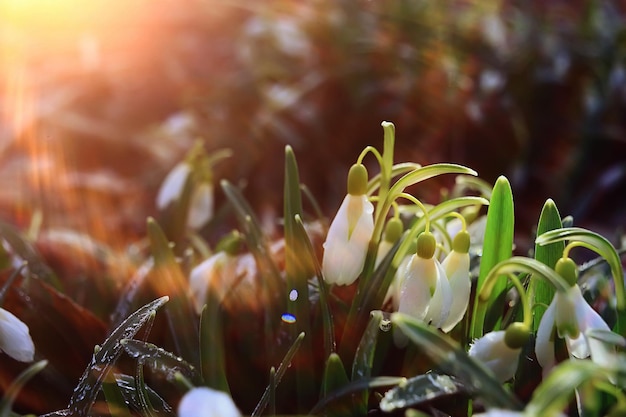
(442, 277)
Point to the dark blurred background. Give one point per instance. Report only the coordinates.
(99, 99)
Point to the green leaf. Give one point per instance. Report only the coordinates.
(280, 372)
(364, 356)
(541, 291)
(419, 389)
(327, 319)
(554, 394)
(453, 360)
(353, 387)
(105, 357)
(497, 246)
(298, 270)
(151, 404)
(335, 375)
(160, 360)
(115, 400)
(212, 355)
(18, 383)
(168, 279)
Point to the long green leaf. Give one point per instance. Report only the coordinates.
(364, 356)
(418, 390)
(298, 271)
(169, 280)
(541, 291)
(453, 360)
(327, 319)
(105, 357)
(213, 363)
(497, 246)
(160, 360)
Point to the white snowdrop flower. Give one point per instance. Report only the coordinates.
(207, 402)
(349, 233)
(499, 350)
(15, 338)
(457, 266)
(569, 316)
(211, 275)
(172, 187)
(200, 206)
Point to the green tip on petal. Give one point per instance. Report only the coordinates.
(568, 269)
(516, 335)
(393, 230)
(426, 245)
(357, 180)
(461, 242)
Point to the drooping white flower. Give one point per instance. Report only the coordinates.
(493, 351)
(15, 338)
(200, 206)
(569, 316)
(211, 275)
(201, 201)
(207, 402)
(173, 185)
(349, 234)
(425, 292)
(457, 265)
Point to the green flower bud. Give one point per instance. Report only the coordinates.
(231, 243)
(357, 180)
(461, 242)
(426, 245)
(516, 335)
(568, 269)
(393, 230)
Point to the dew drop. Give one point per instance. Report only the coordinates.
(288, 318)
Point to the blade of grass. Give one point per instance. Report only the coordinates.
(280, 372)
(18, 383)
(160, 360)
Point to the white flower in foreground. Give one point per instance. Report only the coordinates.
(572, 317)
(425, 291)
(457, 265)
(207, 402)
(499, 350)
(15, 338)
(349, 233)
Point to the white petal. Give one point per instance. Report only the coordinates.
(200, 206)
(457, 266)
(441, 301)
(492, 351)
(207, 402)
(587, 319)
(346, 247)
(565, 316)
(395, 288)
(173, 185)
(15, 338)
(415, 289)
(383, 249)
(544, 346)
